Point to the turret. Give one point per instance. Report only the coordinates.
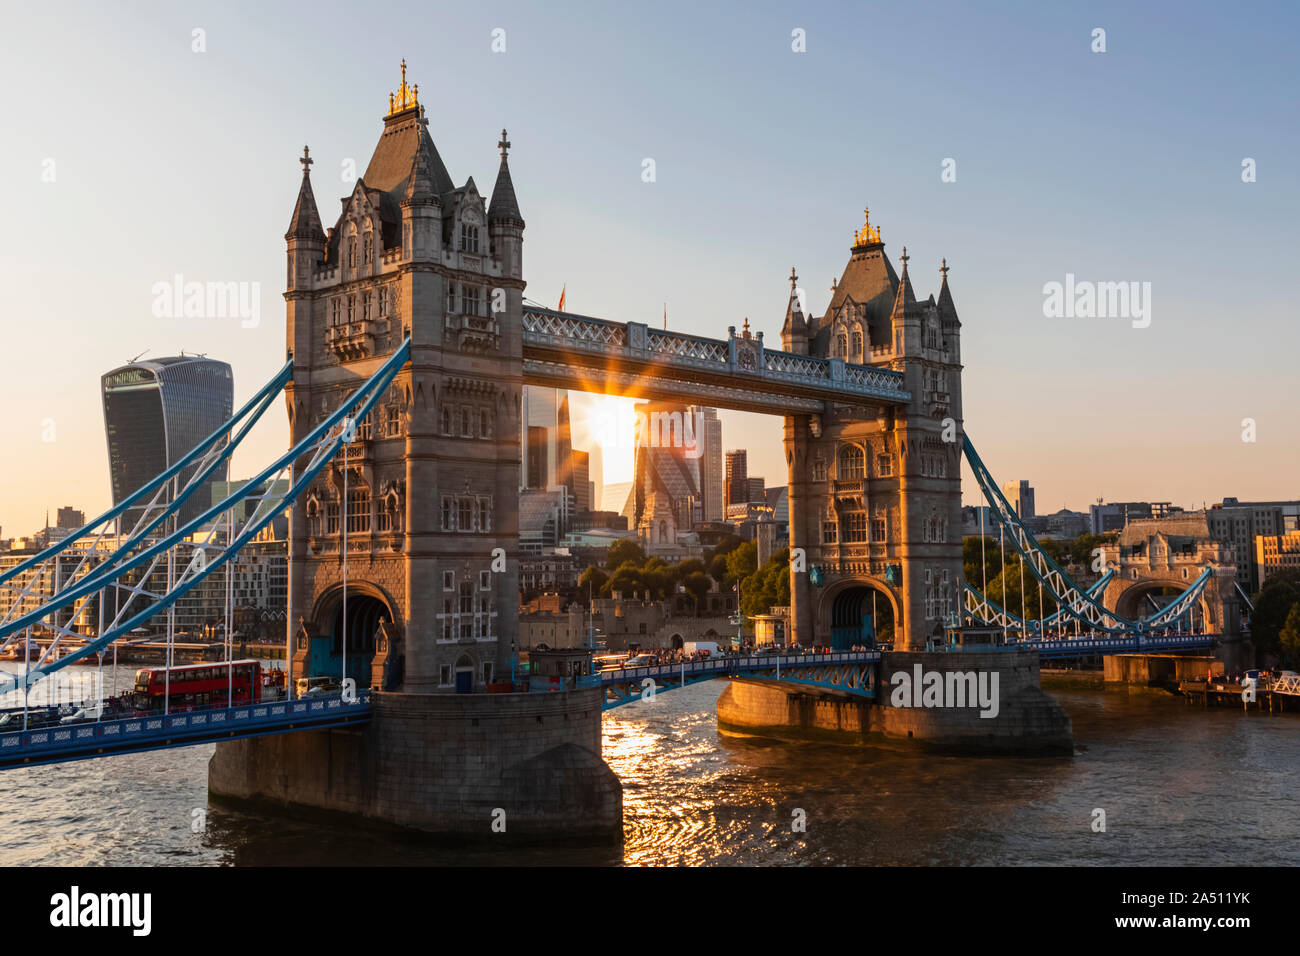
(948, 317)
(421, 207)
(305, 237)
(905, 318)
(794, 334)
(505, 224)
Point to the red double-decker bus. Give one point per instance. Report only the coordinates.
(196, 686)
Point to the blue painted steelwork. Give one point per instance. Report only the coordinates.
(210, 455)
(984, 611)
(1135, 643)
(852, 672)
(322, 443)
(61, 743)
(1245, 598)
(254, 407)
(1076, 602)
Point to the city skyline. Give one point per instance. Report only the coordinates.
(1130, 424)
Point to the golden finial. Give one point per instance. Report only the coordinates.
(405, 98)
(868, 233)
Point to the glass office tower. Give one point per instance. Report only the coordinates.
(157, 410)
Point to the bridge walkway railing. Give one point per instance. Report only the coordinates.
(74, 741)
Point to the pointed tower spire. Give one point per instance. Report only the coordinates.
(947, 310)
(504, 205)
(905, 300)
(795, 322)
(305, 223)
(421, 185)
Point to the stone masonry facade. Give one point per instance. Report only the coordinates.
(432, 477)
(875, 498)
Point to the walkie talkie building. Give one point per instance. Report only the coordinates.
(157, 410)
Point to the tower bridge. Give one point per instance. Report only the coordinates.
(408, 347)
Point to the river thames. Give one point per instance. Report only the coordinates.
(1179, 786)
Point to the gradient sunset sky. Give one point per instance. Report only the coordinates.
(1116, 166)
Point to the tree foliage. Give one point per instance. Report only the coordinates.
(1273, 606)
(768, 586)
(1289, 636)
(620, 552)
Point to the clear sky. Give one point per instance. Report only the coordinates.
(1116, 166)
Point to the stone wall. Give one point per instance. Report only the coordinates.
(442, 763)
(1028, 720)
(1164, 670)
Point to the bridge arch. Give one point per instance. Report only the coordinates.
(843, 605)
(367, 606)
(1130, 602)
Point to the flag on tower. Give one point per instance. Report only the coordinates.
(560, 307)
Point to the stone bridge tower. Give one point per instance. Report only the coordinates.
(875, 494)
(1156, 558)
(432, 572)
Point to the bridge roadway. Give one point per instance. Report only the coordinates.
(564, 350)
(849, 672)
(57, 743)
(1090, 646)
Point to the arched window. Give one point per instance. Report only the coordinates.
(368, 248)
(851, 463)
(857, 345)
(841, 345)
(352, 252)
(468, 238)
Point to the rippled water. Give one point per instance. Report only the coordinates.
(1180, 786)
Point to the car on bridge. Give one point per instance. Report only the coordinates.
(314, 686)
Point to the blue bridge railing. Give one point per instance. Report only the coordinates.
(62, 742)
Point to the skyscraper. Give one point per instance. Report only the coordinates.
(1020, 496)
(596, 474)
(737, 477)
(667, 482)
(579, 483)
(540, 425)
(156, 411)
(712, 473)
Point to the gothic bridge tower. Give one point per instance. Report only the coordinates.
(432, 477)
(875, 493)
